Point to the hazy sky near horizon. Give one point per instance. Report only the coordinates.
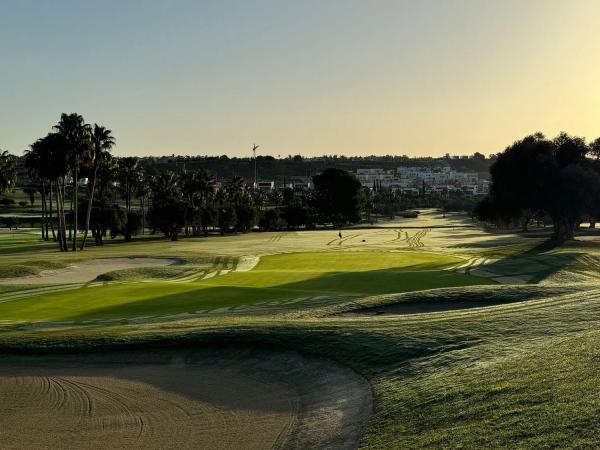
(349, 77)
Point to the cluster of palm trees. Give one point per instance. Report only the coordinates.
(194, 202)
(56, 161)
(188, 201)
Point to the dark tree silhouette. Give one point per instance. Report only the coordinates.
(337, 196)
(76, 136)
(8, 174)
(101, 142)
(537, 176)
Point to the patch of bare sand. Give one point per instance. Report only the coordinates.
(183, 399)
(85, 271)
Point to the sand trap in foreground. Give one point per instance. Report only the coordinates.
(85, 271)
(184, 399)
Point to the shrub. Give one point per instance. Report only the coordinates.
(11, 222)
(271, 220)
(410, 214)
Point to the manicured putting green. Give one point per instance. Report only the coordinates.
(280, 277)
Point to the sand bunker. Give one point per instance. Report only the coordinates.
(85, 271)
(210, 399)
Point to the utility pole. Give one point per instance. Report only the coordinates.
(254, 148)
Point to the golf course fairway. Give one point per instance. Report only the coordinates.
(417, 333)
(277, 280)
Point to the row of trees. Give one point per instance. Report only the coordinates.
(172, 202)
(194, 203)
(121, 196)
(536, 178)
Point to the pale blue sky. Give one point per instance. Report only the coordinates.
(309, 77)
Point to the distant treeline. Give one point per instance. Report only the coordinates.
(83, 188)
(282, 169)
(270, 168)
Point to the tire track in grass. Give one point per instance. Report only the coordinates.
(18, 295)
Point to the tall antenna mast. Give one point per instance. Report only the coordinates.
(254, 148)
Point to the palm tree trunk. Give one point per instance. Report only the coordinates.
(89, 209)
(46, 211)
(63, 195)
(75, 199)
(128, 196)
(51, 219)
(58, 215)
(143, 215)
(70, 210)
(61, 215)
(44, 218)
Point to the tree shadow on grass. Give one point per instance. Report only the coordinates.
(341, 285)
(534, 264)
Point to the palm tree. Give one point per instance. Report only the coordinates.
(8, 175)
(207, 187)
(142, 192)
(130, 174)
(167, 186)
(76, 134)
(102, 142)
(47, 159)
(235, 189)
(198, 188)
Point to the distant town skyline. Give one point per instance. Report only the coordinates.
(312, 78)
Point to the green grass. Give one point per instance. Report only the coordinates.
(276, 278)
(522, 373)
(504, 377)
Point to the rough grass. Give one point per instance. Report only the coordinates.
(29, 268)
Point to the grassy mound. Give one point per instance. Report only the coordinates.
(18, 270)
(28, 268)
(448, 299)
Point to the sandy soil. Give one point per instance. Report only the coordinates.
(184, 399)
(85, 271)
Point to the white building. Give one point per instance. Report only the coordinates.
(412, 179)
(266, 186)
(301, 183)
(377, 177)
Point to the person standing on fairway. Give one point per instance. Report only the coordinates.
(340, 234)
